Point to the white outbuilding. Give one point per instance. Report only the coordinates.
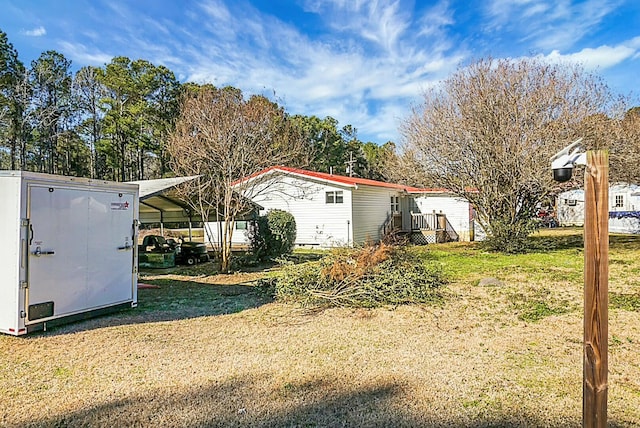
(624, 208)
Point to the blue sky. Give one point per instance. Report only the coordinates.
(363, 62)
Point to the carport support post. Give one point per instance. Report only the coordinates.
(596, 284)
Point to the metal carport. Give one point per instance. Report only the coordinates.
(158, 204)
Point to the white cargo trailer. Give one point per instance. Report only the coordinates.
(69, 249)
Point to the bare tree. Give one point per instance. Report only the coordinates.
(223, 138)
(624, 135)
(487, 132)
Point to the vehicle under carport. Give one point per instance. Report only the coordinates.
(160, 205)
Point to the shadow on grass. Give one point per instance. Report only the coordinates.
(627, 302)
(553, 243)
(259, 402)
(576, 241)
(173, 300)
(304, 256)
(178, 299)
(181, 299)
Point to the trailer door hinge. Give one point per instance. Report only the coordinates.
(23, 314)
(24, 222)
(24, 284)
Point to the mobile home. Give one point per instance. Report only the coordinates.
(334, 210)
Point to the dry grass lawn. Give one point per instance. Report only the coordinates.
(209, 351)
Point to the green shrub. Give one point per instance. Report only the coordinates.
(368, 277)
(510, 237)
(273, 235)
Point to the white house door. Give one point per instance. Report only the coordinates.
(396, 213)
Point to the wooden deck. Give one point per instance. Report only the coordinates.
(425, 227)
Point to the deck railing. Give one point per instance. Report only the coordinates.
(434, 221)
(420, 221)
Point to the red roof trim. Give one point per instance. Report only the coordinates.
(342, 180)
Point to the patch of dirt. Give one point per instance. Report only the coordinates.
(238, 278)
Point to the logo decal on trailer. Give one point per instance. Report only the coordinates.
(119, 206)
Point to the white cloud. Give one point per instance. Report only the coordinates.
(435, 20)
(601, 57)
(385, 130)
(316, 77)
(548, 24)
(36, 32)
(217, 10)
(381, 22)
(368, 63)
(82, 55)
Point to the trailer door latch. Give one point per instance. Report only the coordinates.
(38, 252)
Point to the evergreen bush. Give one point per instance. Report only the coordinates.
(273, 235)
(510, 238)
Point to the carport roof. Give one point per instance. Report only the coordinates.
(158, 205)
(150, 188)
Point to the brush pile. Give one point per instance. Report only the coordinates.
(367, 277)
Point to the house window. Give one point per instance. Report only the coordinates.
(334, 197)
(619, 201)
(395, 204)
(570, 202)
(241, 225)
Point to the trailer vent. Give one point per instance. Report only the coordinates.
(40, 310)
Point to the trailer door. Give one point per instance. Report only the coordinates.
(57, 273)
(110, 251)
(80, 251)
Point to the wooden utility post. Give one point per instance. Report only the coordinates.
(596, 284)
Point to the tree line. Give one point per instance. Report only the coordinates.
(486, 133)
(113, 122)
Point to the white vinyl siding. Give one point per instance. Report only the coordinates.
(239, 237)
(624, 197)
(371, 207)
(570, 208)
(318, 223)
(330, 214)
